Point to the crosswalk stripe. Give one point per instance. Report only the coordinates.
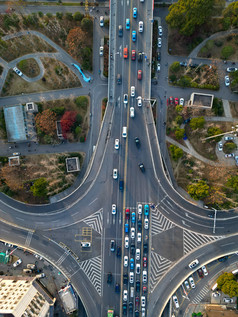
(92, 268)
(95, 221)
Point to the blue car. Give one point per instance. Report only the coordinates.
(134, 13)
(133, 217)
(128, 24)
(146, 210)
(126, 227)
(132, 264)
(133, 36)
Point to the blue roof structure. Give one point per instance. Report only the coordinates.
(15, 123)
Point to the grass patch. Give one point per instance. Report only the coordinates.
(104, 106)
(29, 67)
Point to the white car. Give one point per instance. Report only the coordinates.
(41, 275)
(101, 51)
(220, 146)
(143, 312)
(176, 303)
(117, 144)
(132, 112)
(193, 264)
(160, 30)
(115, 173)
(191, 281)
(133, 91)
(131, 277)
(140, 209)
(142, 301)
(216, 294)
(126, 261)
(186, 285)
(181, 102)
(17, 71)
(125, 293)
(114, 209)
(101, 21)
(141, 26)
(146, 223)
(138, 254)
(137, 268)
(38, 256)
(126, 242)
(231, 69)
(158, 67)
(159, 42)
(228, 300)
(18, 262)
(133, 233)
(204, 269)
(138, 237)
(125, 99)
(144, 276)
(139, 101)
(227, 81)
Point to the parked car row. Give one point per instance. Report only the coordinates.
(175, 101)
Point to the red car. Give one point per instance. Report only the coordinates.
(127, 213)
(137, 301)
(176, 101)
(133, 55)
(144, 261)
(170, 101)
(139, 74)
(144, 290)
(125, 52)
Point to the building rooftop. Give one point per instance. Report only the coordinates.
(15, 123)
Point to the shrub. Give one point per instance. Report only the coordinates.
(217, 107)
(179, 119)
(209, 44)
(218, 43)
(173, 78)
(229, 147)
(226, 23)
(82, 102)
(49, 15)
(78, 16)
(175, 67)
(59, 15)
(59, 111)
(69, 16)
(176, 152)
(179, 133)
(41, 14)
(227, 51)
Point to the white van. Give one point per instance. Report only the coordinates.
(124, 132)
(132, 292)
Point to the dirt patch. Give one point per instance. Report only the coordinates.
(19, 46)
(56, 76)
(218, 311)
(29, 67)
(234, 109)
(104, 106)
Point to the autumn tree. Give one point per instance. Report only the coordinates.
(12, 176)
(46, 122)
(198, 190)
(232, 182)
(75, 40)
(67, 122)
(227, 284)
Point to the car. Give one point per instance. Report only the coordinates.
(132, 249)
(231, 69)
(191, 281)
(144, 290)
(125, 52)
(124, 309)
(236, 159)
(140, 209)
(15, 154)
(159, 42)
(193, 264)
(229, 155)
(158, 56)
(133, 217)
(139, 224)
(112, 245)
(109, 278)
(200, 273)
(222, 259)
(160, 30)
(138, 286)
(126, 242)
(115, 173)
(144, 276)
(118, 251)
(128, 24)
(131, 277)
(125, 293)
(158, 67)
(121, 185)
(140, 58)
(117, 288)
(175, 300)
(142, 167)
(142, 301)
(101, 20)
(133, 55)
(139, 101)
(228, 300)
(127, 213)
(176, 101)
(138, 254)
(138, 237)
(220, 146)
(139, 74)
(211, 215)
(133, 36)
(186, 285)
(125, 278)
(137, 268)
(170, 101)
(146, 223)
(117, 144)
(228, 138)
(18, 262)
(134, 13)
(132, 112)
(144, 261)
(38, 256)
(133, 91)
(141, 26)
(120, 31)
(216, 294)
(181, 102)
(126, 228)
(17, 71)
(41, 275)
(146, 210)
(145, 248)
(205, 272)
(101, 51)
(137, 301)
(183, 64)
(132, 264)
(130, 307)
(227, 81)
(114, 209)
(137, 142)
(125, 99)
(133, 233)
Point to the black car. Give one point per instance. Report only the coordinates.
(117, 288)
(109, 278)
(137, 313)
(124, 308)
(140, 57)
(121, 185)
(130, 307)
(118, 251)
(183, 64)
(145, 248)
(139, 224)
(125, 278)
(137, 142)
(132, 249)
(142, 167)
(120, 31)
(158, 56)
(138, 286)
(112, 246)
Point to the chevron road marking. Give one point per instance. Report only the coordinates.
(28, 238)
(160, 223)
(93, 269)
(201, 295)
(95, 221)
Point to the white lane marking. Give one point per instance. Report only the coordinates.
(185, 224)
(93, 201)
(223, 245)
(20, 218)
(108, 218)
(187, 215)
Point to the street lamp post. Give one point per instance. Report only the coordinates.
(215, 218)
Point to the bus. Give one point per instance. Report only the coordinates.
(110, 313)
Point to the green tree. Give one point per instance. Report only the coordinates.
(59, 15)
(78, 16)
(179, 119)
(87, 25)
(217, 107)
(176, 152)
(233, 183)
(227, 51)
(231, 11)
(39, 188)
(197, 123)
(175, 67)
(179, 133)
(198, 190)
(226, 22)
(229, 147)
(82, 102)
(228, 284)
(214, 131)
(179, 108)
(186, 15)
(69, 16)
